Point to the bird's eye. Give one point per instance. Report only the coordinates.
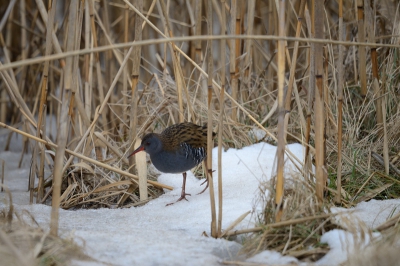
(147, 143)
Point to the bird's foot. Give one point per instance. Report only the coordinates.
(183, 196)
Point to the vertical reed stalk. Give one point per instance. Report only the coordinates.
(362, 61)
(210, 69)
(232, 59)
(63, 128)
(56, 43)
(319, 111)
(197, 43)
(99, 75)
(88, 62)
(249, 43)
(141, 166)
(125, 74)
(280, 152)
(385, 137)
(2, 175)
(179, 79)
(21, 85)
(238, 30)
(377, 90)
(338, 197)
(310, 101)
(40, 188)
(221, 114)
(293, 64)
(76, 95)
(380, 101)
(24, 44)
(136, 58)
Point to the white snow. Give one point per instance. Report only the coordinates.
(154, 234)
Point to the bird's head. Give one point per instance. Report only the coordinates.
(151, 143)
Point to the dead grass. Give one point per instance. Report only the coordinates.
(304, 222)
(382, 251)
(23, 242)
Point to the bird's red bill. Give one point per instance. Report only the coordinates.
(141, 148)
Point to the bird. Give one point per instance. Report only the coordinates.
(177, 149)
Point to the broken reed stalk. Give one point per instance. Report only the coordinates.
(62, 134)
(221, 115)
(338, 196)
(141, 165)
(210, 69)
(280, 152)
(319, 110)
(362, 61)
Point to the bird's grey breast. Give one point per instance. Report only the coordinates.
(180, 160)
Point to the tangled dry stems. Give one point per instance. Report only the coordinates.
(23, 242)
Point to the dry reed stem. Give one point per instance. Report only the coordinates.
(281, 116)
(2, 175)
(234, 28)
(43, 99)
(42, 162)
(340, 107)
(142, 172)
(361, 50)
(319, 109)
(63, 127)
(210, 64)
(221, 114)
(43, 12)
(98, 49)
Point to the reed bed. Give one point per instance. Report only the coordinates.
(339, 100)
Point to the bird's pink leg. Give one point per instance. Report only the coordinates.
(183, 193)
